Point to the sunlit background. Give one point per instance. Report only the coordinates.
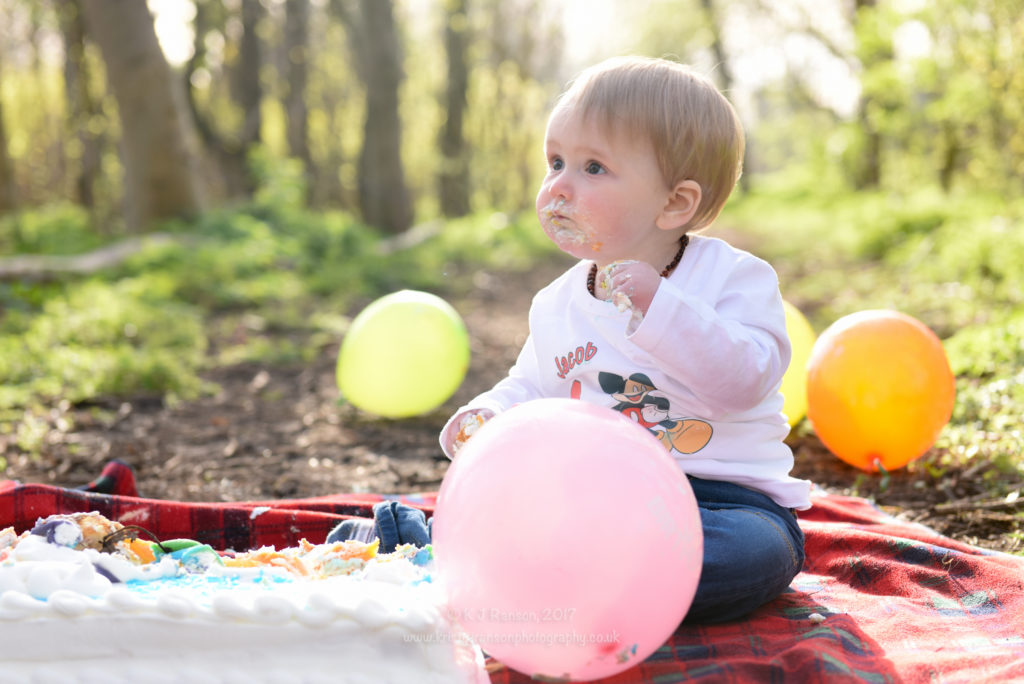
(761, 50)
(890, 90)
(273, 163)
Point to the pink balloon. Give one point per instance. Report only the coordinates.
(568, 540)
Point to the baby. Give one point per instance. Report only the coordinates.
(685, 333)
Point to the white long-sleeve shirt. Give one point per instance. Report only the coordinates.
(701, 371)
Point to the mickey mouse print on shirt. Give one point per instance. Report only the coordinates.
(639, 400)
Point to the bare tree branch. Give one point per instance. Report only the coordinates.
(51, 266)
(807, 27)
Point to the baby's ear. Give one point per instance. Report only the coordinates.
(682, 204)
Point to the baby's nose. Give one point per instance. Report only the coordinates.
(560, 189)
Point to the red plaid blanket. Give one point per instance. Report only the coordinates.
(879, 600)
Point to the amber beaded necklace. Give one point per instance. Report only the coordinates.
(683, 241)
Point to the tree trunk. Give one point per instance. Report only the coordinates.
(951, 152)
(383, 195)
(867, 172)
(868, 169)
(722, 62)
(296, 45)
(159, 162)
(8, 195)
(226, 154)
(325, 185)
(454, 172)
(48, 144)
(248, 90)
(82, 108)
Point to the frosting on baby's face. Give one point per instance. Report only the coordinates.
(567, 227)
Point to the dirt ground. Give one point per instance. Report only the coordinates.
(280, 432)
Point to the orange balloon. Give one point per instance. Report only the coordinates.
(879, 389)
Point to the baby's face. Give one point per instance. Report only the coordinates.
(602, 193)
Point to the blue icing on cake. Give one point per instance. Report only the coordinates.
(70, 612)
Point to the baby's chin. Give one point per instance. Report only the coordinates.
(572, 241)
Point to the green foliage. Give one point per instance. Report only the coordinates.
(505, 129)
(984, 352)
(949, 260)
(280, 183)
(246, 278)
(947, 104)
(57, 229)
(987, 360)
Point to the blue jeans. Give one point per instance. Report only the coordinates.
(393, 523)
(753, 548)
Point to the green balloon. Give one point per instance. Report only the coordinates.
(404, 355)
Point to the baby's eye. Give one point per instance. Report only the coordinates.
(594, 168)
(557, 164)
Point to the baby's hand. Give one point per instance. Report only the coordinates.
(628, 285)
(467, 426)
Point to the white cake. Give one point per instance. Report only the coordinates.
(142, 612)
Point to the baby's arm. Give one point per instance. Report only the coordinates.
(518, 386)
(461, 427)
(726, 344)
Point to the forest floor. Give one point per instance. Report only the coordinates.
(279, 431)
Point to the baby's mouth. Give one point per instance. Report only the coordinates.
(563, 225)
(556, 213)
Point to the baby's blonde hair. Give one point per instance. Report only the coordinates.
(694, 129)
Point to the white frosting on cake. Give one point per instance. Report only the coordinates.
(63, 620)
